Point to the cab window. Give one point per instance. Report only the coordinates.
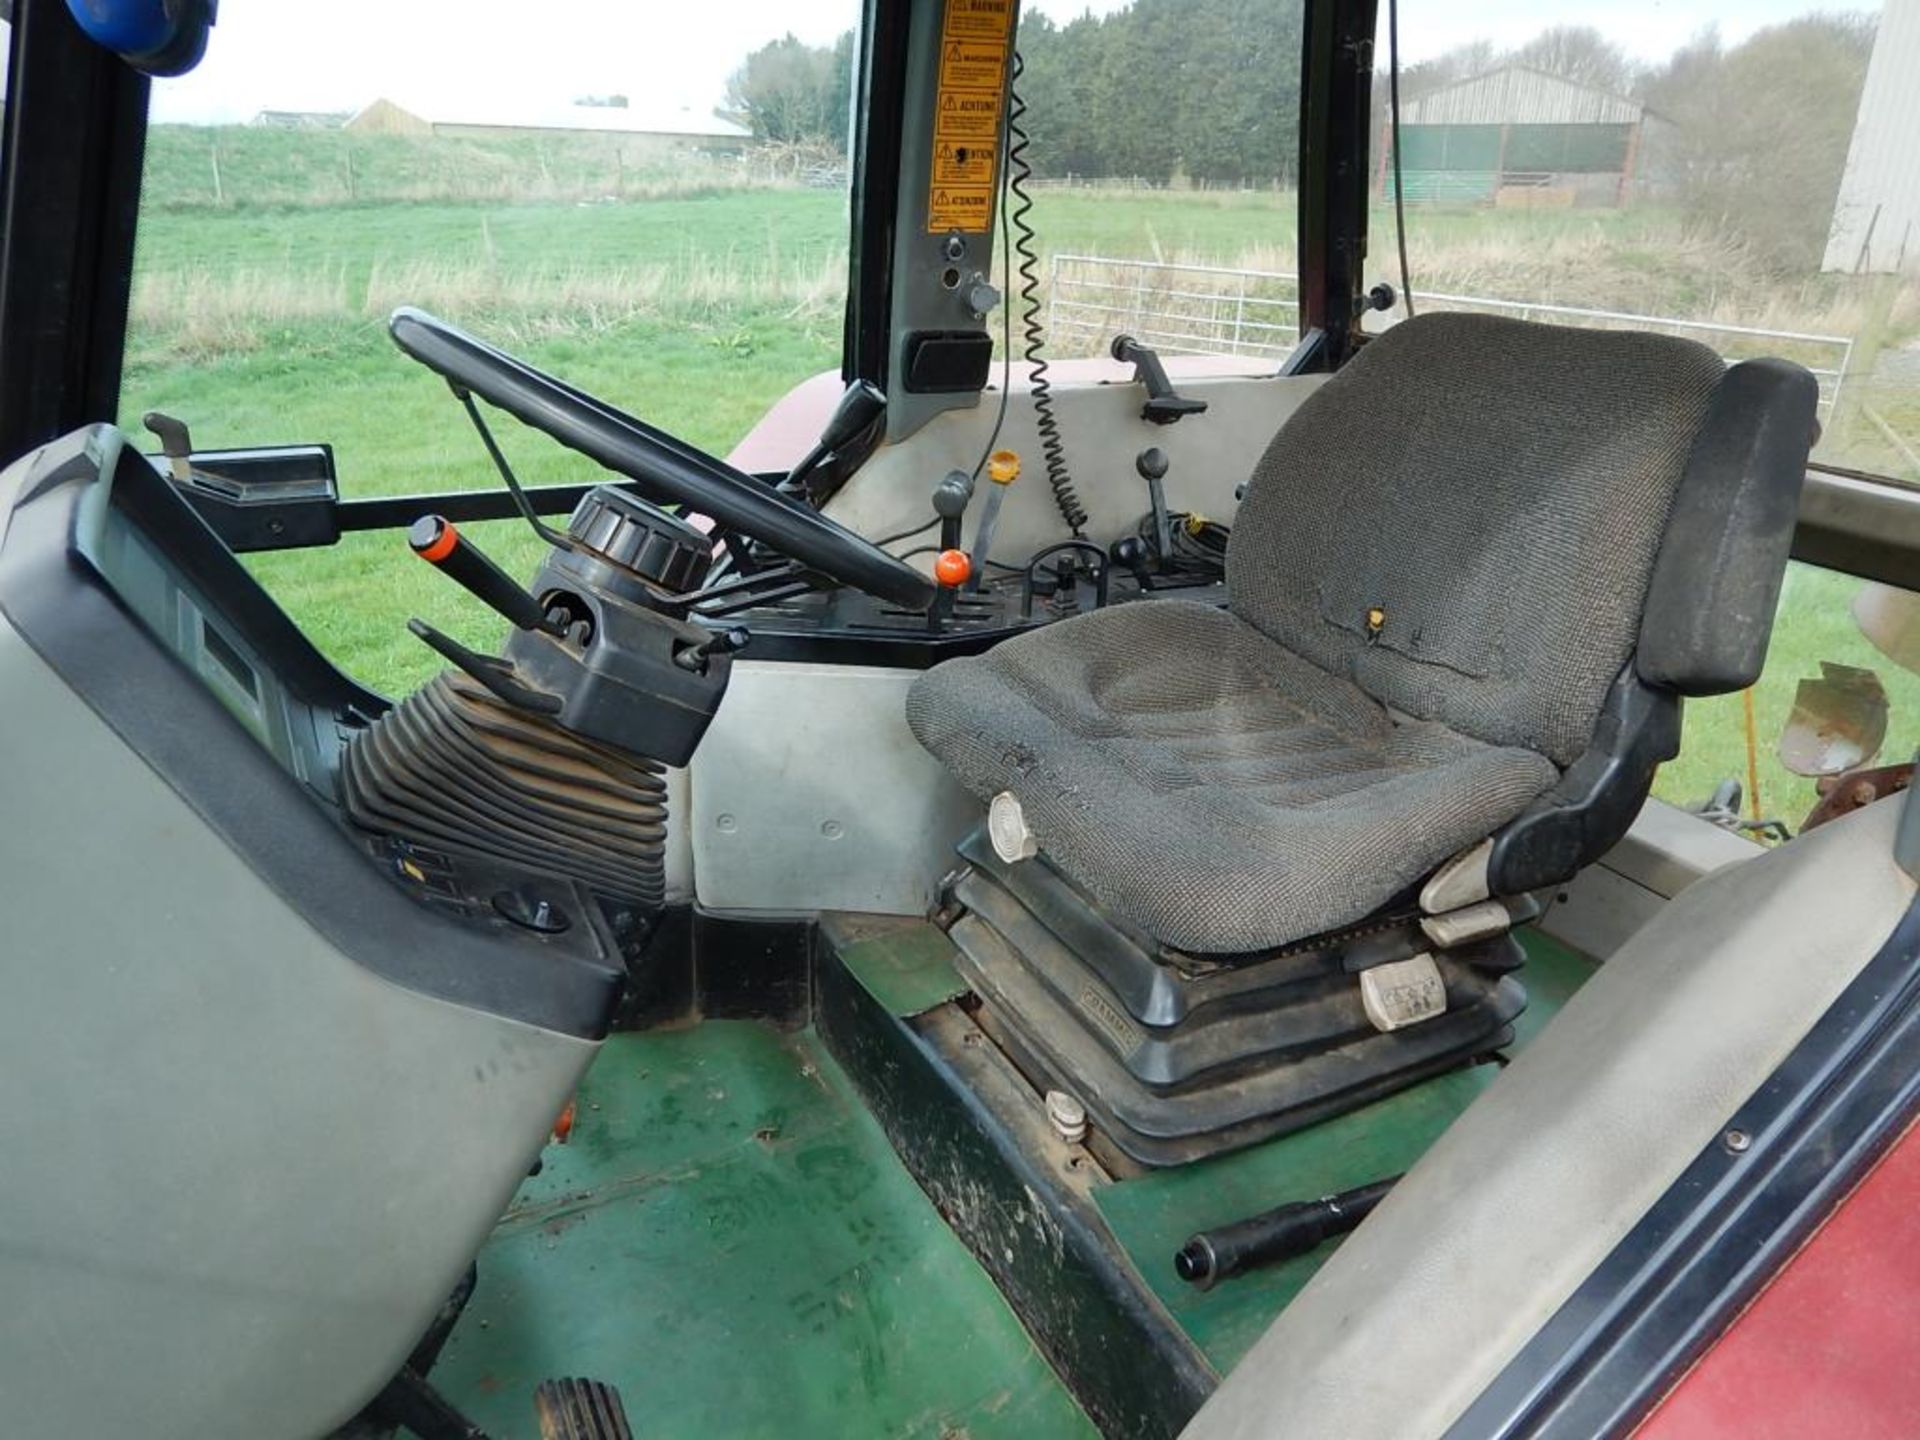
(655, 213)
(1737, 174)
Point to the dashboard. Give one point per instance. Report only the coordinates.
(124, 592)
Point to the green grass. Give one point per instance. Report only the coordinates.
(697, 304)
(214, 167)
(396, 429)
(1815, 623)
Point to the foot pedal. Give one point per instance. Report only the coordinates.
(580, 1410)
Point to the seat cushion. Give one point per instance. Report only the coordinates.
(1214, 789)
(1492, 491)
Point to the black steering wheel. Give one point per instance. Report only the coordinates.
(667, 470)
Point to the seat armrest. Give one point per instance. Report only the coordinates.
(1582, 817)
(1709, 607)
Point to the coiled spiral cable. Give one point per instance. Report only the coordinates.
(1052, 449)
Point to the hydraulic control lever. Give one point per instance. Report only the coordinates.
(950, 500)
(1152, 465)
(434, 539)
(1003, 468)
(1131, 551)
(1165, 405)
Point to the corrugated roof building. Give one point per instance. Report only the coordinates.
(680, 128)
(1519, 136)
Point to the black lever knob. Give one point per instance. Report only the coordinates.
(721, 642)
(435, 540)
(1152, 465)
(1131, 551)
(950, 499)
(952, 495)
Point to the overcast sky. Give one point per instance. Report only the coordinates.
(483, 57)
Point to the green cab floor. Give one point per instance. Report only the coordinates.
(728, 1238)
(1152, 1215)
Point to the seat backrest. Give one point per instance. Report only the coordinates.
(1465, 519)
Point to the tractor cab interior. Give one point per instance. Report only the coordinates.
(797, 984)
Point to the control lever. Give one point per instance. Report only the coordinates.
(499, 676)
(1164, 404)
(862, 404)
(950, 499)
(1131, 551)
(1083, 551)
(951, 569)
(1152, 465)
(1003, 468)
(175, 443)
(434, 539)
(693, 658)
(1282, 1233)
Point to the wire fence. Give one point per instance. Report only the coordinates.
(1219, 310)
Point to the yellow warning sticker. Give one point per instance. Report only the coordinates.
(974, 45)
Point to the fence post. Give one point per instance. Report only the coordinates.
(1053, 299)
(1840, 379)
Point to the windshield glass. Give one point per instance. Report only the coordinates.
(651, 207)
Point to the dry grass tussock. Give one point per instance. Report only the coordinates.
(200, 314)
(204, 314)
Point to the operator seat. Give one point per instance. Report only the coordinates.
(1470, 579)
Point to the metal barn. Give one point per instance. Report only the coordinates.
(1519, 136)
(1876, 219)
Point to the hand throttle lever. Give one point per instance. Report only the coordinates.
(435, 540)
(1164, 404)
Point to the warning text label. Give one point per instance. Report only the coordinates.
(974, 45)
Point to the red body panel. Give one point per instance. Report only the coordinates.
(1830, 1350)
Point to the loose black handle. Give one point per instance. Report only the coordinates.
(1275, 1235)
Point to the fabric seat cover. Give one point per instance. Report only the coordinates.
(1437, 572)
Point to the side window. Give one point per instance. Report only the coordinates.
(1740, 175)
(1164, 141)
(1840, 697)
(655, 213)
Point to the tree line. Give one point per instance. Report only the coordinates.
(1208, 92)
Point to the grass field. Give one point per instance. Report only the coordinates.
(696, 297)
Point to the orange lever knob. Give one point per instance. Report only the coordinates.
(952, 568)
